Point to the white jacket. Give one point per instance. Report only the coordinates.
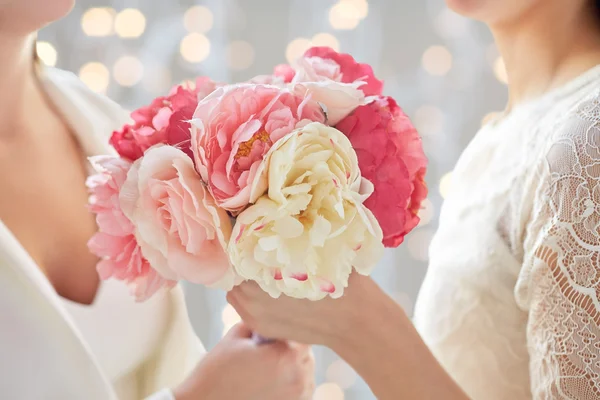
(42, 354)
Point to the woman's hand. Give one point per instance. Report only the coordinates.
(365, 327)
(324, 322)
(240, 369)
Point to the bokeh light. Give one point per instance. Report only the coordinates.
(195, 47)
(500, 70)
(344, 16)
(437, 60)
(96, 76)
(446, 184)
(198, 19)
(47, 53)
(296, 48)
(229, 316)
(326, 39)
(240, 55)
(128, 71)
(361, 6)
(130, 23)
(342, 374)
(98, 21)
(328, 391)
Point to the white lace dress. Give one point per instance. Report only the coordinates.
(511, 302)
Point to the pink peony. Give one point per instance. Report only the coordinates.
(351, 71)
(115, 243)
(338, 99)
(390, 155)
(285, 72)
(315, 69)
(179, 228)
(164, 121)
(235, 126)
(267, 80)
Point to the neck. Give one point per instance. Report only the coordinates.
(17, 78)
(540, 55)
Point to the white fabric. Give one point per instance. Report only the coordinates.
(510, 304)
(44, 354)
(121, 332)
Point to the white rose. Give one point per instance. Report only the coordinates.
(304, 235)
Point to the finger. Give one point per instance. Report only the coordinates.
(275, 348)
(250, 288)
(240, 331)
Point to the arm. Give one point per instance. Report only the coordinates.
(560, 287)
(365, 327)
(386, 350)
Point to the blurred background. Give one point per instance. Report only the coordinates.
(442, 69)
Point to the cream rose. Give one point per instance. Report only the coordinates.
(308, 227)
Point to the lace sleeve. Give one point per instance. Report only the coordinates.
(562, 262)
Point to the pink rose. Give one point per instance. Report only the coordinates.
(351, 71)
(164, 121)
(235, 126)
(390, 155)
(179, 228)
(115, 243)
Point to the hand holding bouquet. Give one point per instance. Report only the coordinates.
(291, 180)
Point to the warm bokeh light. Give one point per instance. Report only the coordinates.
(361, 6)
(446, 184)
(344, 16)
(326, 39)
(418, 242)
(98, 21)
(342, 374)
(47, 53)
(428, 120)
(328, 391)
(195, 47)
(426, 213)
(296, 48)
(130, 23)
(230, 318)
(95, 75)
(500, 70)
(240, 55)
(128, 71)
(198, 19)
(437, 60)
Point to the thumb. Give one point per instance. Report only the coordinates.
(239, 331)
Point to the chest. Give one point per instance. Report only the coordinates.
(43, 203)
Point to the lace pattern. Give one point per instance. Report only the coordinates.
(562, 263)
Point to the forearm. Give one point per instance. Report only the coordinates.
(385, 349)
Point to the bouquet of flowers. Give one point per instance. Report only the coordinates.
(292, 180)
